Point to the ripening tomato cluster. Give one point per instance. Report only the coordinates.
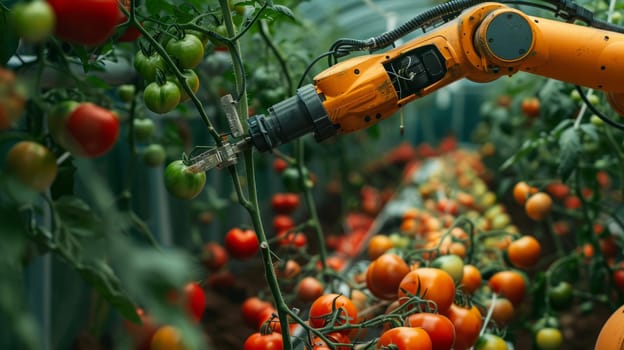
(453, 258)
(152, 335)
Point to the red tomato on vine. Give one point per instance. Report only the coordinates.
(84, 129)
(428, 283)
(323, 308)
(405, 338)
(258, 341)
(195, 300)
(440, 329)
(241, 244)
(86, 22)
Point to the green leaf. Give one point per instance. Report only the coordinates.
(280, 10)
(78, 217)
(570, 145)
(527, 147)
(8, 40)
(156, 7)
(101, 277)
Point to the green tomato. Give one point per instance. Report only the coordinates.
(490, 341)
(561, 296)
(548, 339)
(452, 264)
(126, 92)
(143, 129)
(596, 120)
(290, 179)
(192, 80)
(204, 38)
(161, 99)
(188, 51)
(399, 241)
(154, 155)
(33, 21)
(148, 66)
(181, 183)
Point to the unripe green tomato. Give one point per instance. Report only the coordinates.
(187, 51)
(490, 341)
(181, 183)
(33, 21)
(593, 99)
(399, 241)
(575, 96)
(548, 339)
(126, 92)
(596, 120)
(616, 17)
(561, 296)
(143, 129)
(154, 155)
(163, 98)
(192, 80)
(148, 66)
(452, 264)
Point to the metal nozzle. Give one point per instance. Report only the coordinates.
(290, 119)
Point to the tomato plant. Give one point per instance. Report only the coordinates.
(181, 182)
(89, 22)
(32, 164)
(241, 243)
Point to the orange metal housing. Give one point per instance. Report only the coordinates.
(359, 92)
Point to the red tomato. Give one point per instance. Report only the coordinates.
(86, 22)
(428, 283)
(336, 338)
(618, 278)
(467, 324)
(279, 165)
(130, 33)
(524, 252)
(241, 244)
(321, 311)
(510, 284)
(292, 239)
(384, 275)
(530, 106)
(141, 334)
(214, 256)
(84, 129)
(285, 203)
(195, 300)
(282, 223)
(309, 289)
(251, 310)
(405, 338)
(258, 341)
(440, 329)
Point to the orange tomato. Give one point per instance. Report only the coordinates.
(524, 252)
(538, 206)
(467, 322)
(428, 283)
(471, 279)
(378, 245)
(510, 284)
(384, 275)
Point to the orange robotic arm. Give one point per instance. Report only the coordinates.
(483, 43)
